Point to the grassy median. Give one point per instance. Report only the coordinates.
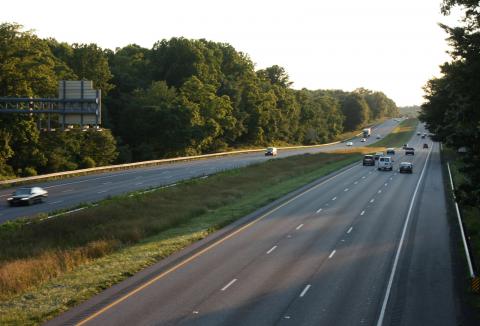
(399, 136)
(49, 266)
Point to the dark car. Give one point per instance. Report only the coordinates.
(405, 146)
(409, 151)
(27, 196)
(405, 167)
(390, 151)
(368, 160)
(425, 145)
(378, 155)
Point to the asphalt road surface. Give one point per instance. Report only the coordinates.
(360, 247)
(69, 193)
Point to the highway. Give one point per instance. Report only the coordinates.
(359, 247)
(71, 192)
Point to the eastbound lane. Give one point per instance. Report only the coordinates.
(321, 258)
(67, 193)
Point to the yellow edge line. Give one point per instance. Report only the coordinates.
(186, 261)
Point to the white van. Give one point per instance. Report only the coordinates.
(385, 163)
(271, 151)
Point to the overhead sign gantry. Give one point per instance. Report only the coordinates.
(77, 104)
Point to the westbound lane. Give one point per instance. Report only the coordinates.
(323, 258)
(67, 193)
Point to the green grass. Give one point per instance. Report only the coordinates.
(471, 223)
(81, 254)
(399, 136)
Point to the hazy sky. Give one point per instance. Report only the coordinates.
(387, 45)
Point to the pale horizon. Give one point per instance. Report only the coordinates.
(390, 47)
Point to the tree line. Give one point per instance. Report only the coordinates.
(452, 107)
(180, 97)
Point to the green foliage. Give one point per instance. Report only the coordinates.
(180, 97)
(453, 100)
(88, 162)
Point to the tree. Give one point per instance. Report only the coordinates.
(451, 110)
(356, 111)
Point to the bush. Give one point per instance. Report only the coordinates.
(29, 172)
(88, 162)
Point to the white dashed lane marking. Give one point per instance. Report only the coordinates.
(363, 212)
(229, 284)
(305, 290)
(319, 210)
(350, 230)
(271, 249)
(299, 227)
(331, 255)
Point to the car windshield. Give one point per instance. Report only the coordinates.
(23, 191)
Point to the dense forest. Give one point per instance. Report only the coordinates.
(409, 111)
(452, 109)
(180, 97)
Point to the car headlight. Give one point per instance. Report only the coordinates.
(24, 199)
(9, 198)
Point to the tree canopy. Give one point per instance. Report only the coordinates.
(451, 110)
(180, 97)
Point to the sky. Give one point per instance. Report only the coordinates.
(383, 45)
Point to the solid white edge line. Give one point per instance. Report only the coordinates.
(299, 227)
(305, 290)
(451, 180)
(462, 231)
(399, 249)
(68, 212)
(271, 249)
(229, 284)
(331, 255)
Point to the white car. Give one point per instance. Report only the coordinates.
(378, 136)
(385, 163)
(349, 143)
(271, 151)
(363, 140)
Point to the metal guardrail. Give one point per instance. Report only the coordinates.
(460, 223)
(127, 166)
(119, 167)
